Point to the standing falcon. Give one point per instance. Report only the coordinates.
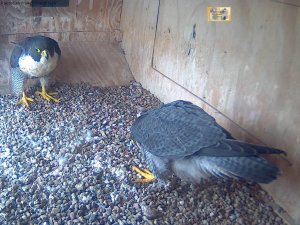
(33, 57)
(182, 139)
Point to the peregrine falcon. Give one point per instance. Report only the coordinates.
(33, 57)
(181, 138)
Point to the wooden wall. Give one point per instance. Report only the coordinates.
(90, 27)
(247, 69)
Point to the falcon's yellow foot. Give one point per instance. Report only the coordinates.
(24, 100)
(47, 96)
(148, 176)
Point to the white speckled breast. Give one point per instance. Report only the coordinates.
(38, 69)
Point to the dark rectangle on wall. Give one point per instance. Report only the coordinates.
(50, 3)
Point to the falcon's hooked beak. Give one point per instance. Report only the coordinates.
(45, 54)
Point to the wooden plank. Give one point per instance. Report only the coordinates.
(248, 69)
(14, 18)
(98, 15)
(105, 36)
(4, 68)
(24, 19)
(87, 16)
(97, 63)
(177, 23)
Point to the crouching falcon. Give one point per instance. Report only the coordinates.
(182, 139)
(33, 58)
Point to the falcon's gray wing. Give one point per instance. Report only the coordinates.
(175, 130)
(15, 55)
(181, 129)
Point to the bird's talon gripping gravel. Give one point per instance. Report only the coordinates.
(24, 100)
(148, 176)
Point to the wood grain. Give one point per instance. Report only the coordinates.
(105, 36)
(98, 15)
(88, 16)
(97, 63)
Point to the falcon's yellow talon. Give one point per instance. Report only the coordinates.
(47, 96)
(24, 100)
(147, 171)
(148, 176)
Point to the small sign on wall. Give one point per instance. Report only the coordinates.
(219, 14)
(50, 3)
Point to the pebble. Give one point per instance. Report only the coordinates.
(93, 217)
(72, 215)
(150, 212)
(70, 163)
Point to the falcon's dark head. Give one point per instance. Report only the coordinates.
(36, 56)
(37, 47)
(40, 46)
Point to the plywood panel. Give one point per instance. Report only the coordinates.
(178, 48)
(98, 15)
(4, 69)
(25, 19)
(104, 36)
(89, 15)
(212, 58)
(97, 63)
(247, 69)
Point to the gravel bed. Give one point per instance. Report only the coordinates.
(70, 163)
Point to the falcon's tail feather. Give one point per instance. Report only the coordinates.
(231, 147)
(253, 168)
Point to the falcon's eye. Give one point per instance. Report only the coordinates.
(38, 50)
